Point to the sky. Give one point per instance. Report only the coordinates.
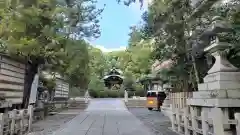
(115, 22)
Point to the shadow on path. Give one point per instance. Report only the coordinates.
(154, 120)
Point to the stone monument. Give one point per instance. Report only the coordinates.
(166, 106)
(221, 88)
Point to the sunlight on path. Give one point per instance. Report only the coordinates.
(105, 117)
(106, 105)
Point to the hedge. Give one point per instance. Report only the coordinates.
(114, 93)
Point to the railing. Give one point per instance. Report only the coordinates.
(179, 99)
(16, 122)
(196, 120)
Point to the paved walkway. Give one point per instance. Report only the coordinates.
(154, 120)
(105, 117)
(54, 122)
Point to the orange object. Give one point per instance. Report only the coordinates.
(152, 99)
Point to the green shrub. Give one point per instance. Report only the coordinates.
(140, 92)
(103, 94)
(121, 94)
(93, 93)
(107, 93)
(130, 94)
(112, 93)
(76, 92)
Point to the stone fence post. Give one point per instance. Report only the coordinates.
(186, 121)
(218, 121)
(86, 96)
(237, 117)
(30, 114)
(13, 121)
(125, 96)
(1, 123)
(205, 126)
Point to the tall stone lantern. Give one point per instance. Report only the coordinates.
(221, 88)
(166, 107)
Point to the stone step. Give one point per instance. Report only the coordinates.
(78, 105)
(136, 103)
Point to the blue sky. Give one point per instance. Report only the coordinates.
(115, 23)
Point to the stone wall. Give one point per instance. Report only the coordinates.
(136, 103)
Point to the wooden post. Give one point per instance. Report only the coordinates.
(205, 126)
(194, 122)
(186, 121)
(237, 117)
(218, 121)
(1, 123)
(30, 113)
(13, 121)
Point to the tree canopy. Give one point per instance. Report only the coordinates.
(177, 38)
(50, 33)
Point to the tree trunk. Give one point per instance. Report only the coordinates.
(196, 71)
(31, 70)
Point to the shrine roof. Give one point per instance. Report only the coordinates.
(115, 71)
(107, 76)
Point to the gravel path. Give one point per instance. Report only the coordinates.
(54, 122)
(154, 120)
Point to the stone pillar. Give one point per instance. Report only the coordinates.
(13, 116)
(166, 109)
(86, 97)
(30, 114)
(125, 96)
(237, 117)
(2, 123)
(205, 126)
(218, 121)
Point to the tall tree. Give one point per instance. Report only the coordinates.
(39, 30)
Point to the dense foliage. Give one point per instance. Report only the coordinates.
(50, 34)
(177, 37)
(134, 62)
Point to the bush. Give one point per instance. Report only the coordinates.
(93, 93)
(76, 92)
(121, 94)
(113, 93)
(140, 92)
(130, 94)
(103, 94)
(106, 93)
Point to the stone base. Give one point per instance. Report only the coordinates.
(214, 102)
(218, 94)
(217, 98)
(221, 81)
(223, 76)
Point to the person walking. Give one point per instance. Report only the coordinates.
(160, 98)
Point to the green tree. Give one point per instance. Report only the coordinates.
(39, 31)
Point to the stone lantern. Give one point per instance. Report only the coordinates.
(166, 107)
(217, 46)
(221, 88)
